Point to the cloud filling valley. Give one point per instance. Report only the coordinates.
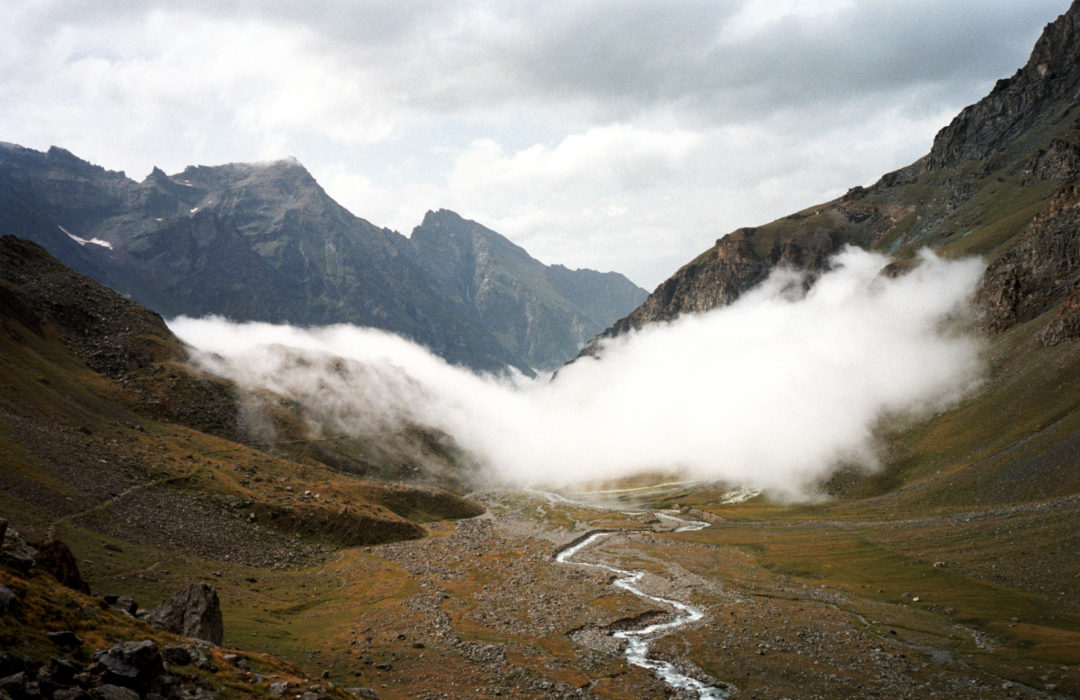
(773, 392)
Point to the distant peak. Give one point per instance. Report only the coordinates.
(156, 175)
(442, 215)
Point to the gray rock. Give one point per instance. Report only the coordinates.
(113, 692)
(131, 664)
(56, 557)
(126, 603)
(8, 599)
(13, 662)
(74, 693)
(15, 553)
(65, 638)
(193, 612)
(13, 683)
(177, 656)
(63, 671)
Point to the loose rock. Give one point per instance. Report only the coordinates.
(193, 612)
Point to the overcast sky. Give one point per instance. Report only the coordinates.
(615, 135)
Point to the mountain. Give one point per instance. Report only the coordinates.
(1000, 181)
(989, 173)
(265, 242)
(541, 313)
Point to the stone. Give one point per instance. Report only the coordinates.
(55, 557)
(113, 692)
(176, 656)
(239, 661)
(193, 612)
(64, 671)
(126, 603)
(8, 599)
(279, 689)
(65, 638)
(20, 559)
(13, 683)
(131, 664)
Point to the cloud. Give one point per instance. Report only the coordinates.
(772, 392)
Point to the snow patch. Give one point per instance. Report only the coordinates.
(84, 241)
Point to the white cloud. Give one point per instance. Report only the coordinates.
(772, 392)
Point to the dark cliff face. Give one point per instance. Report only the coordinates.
(1041, 91)
(265, 242)
(988, 175)
(1036, 272)
(544, 314)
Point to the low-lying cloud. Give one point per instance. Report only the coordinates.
(772, 392)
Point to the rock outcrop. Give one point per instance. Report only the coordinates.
(986, 175)
(1041, 91)
(738, 262)
(1038, 270)
(193, 612)
(111, 334)
(56, 558)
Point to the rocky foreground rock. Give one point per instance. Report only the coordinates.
(193, 612)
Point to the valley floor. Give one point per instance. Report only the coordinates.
(794, 607)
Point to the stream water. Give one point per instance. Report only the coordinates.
(639, 640)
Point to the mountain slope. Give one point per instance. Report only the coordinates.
(988, 174)
(999, 182)
(264, 242)
(83, 366)
(543, 314)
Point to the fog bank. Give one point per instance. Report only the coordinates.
(772, 392)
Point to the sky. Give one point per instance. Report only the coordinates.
(608, 134)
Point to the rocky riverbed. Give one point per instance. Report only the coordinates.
(484, 609)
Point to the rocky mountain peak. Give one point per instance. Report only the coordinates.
(445, 229)
(1017, 104)
(156, 175)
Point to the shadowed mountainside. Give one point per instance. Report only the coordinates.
(264, 242)
(996, 166)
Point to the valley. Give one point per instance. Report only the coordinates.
(807, 604)
(928, 579)
(833, 455)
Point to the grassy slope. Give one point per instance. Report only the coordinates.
(149, 506)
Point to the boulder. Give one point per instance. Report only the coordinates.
(127, 604)
(193, 612)
(177, 656)
(8, 599)
(65, 638)
(15, 553)
(55, 557)
(113, 692)
(134, 665)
